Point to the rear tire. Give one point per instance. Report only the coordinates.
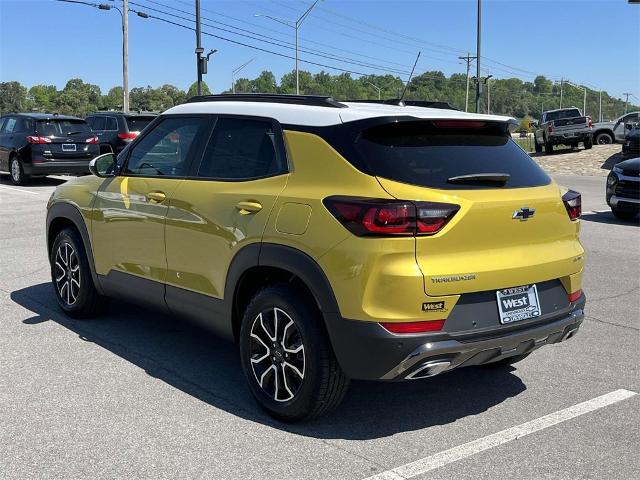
(548, 148)
(623, 214)
(588, 143)
(603, 139)
(16, 171)
(71, 277)
(537, 147)
(287, 357)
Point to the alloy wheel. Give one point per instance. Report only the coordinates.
(67, 273)
(277, 354)
(15, 170)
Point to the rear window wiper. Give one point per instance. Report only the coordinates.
(73, 133)
(481, 178)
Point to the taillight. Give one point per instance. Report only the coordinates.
(573, 203)
(550, 128)
(573, 297)
(380, 217)
(127, 135)
(92, 140)
(38, 140)
(590, 122)
(413, 327)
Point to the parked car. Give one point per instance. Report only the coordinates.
(45, 144)
(605, 133)
(631, 144)
(116, 129)
(383, 242)
(566, 126)
(623, 189)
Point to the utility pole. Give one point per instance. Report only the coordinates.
(377, 88)
(199, 49)
(584, 101)
(561, 90)
(478, 42)
(125, 56)
(486, 81)
(600, 107)
(626, 102)
(467, 59)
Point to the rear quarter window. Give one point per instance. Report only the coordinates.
(137, 124)
(419, 153)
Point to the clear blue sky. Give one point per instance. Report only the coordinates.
(595, 42)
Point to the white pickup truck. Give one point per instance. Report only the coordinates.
(566, 126)
(609, 132)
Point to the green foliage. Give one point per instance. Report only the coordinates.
(193, 90)
(509, 96)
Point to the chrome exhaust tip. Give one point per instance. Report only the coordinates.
(429, 369)
(569, 334)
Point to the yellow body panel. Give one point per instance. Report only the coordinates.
(208, 222)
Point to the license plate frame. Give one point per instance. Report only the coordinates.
(516, 304)
(69, 147)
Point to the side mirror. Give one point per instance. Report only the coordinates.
(533, 124)
(628, 126)
(103, 166)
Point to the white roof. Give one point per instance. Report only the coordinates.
(315, 116)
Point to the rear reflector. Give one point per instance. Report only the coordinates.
(381, 217)
(573, 297)
(128, 135)
(36, 140)
(573, 203)
(413, 327)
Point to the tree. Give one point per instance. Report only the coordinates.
(13, 97)
(43, 97)
(193, 90)
(542, 85)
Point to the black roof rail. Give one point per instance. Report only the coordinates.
(313, 100)
(410, 103)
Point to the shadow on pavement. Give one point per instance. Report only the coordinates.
(207, 368)
(35, 182)
(608, 218)
(611, 162)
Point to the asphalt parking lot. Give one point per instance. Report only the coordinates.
(133, 394)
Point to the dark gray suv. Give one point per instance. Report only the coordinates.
(116, 129)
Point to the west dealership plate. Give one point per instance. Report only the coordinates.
(68, 147)
(518, 303)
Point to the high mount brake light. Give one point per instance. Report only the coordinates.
(381, 217)
(459, 124)
(36, 140)
(573, 203)
(413, 327)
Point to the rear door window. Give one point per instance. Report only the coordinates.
(242, 149)
(419, 153)
(111, 123)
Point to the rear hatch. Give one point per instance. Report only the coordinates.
(477, 166)
(136, 123)
(65, 140)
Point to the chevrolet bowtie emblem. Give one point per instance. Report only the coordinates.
(524, 213)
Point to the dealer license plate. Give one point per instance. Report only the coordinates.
(518, 303)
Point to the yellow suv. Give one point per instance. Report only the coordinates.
(332, 241)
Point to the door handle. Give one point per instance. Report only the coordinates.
(158, 197)
(247, 208)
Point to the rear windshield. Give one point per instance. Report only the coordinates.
(137, 124)
(61, 127)
(570, 113)
(418, 153)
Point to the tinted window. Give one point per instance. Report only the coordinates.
(96, 123)
(61, 127)
(137, 123)
(241, 149)
(418, 153)
(9, 125)
(165, 150)
(23, 125)
(112, 123)
(569, 113)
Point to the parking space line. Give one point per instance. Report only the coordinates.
(18, 190)
(454, 454)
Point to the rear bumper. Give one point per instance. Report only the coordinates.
(57, 167)
(367, 351)
(567, 139)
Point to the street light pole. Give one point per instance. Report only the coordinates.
(236, 70)
(199, 49)
(296, 26)
(377, 88)
(125, 55)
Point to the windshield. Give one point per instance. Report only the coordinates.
(560, 114)
(418, 153)
(62, 128)
(137, 123)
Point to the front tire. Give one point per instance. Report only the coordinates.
(603, 139)
(71, 277)
(16, 171)
(287, 357)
